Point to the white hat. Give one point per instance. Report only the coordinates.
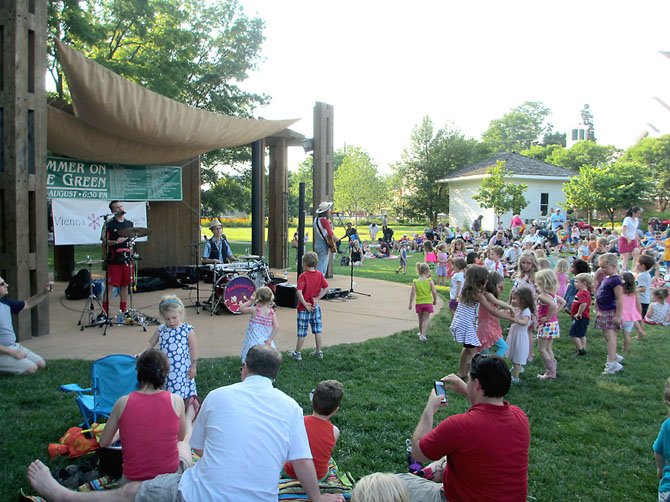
(215, 223)
(324, 206)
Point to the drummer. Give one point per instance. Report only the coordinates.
(217, 250)
(118, 256)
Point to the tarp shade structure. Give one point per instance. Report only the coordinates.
(118, 121)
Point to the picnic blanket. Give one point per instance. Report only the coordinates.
(334, 482)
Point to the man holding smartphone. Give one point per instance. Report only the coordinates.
(486, 447)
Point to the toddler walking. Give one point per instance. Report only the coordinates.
(442, 260)
(561, 271)
(548, 304)
(263, 325)
(423, 290)
(176, 340)
(580, 311)
(517, 340)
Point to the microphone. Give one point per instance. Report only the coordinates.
(119, 213)
(106, 215)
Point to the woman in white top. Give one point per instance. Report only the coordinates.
(629, 242)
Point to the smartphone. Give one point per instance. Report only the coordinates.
(441, 391)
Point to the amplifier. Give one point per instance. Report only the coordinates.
(286, 295)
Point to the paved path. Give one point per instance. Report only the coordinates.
(345, 321)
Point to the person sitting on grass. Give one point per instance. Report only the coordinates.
(321, 433)
(477, 468)
(153, 424)
(14, 357)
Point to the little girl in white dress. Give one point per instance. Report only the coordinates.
(263, 325)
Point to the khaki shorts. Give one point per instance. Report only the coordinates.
(421, 489)
(9, 364)
(164, 488)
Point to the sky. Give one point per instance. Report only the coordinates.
(386, 65)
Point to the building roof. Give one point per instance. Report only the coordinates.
(516, 165)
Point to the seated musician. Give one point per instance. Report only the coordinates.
(118, 256)
(217, 249)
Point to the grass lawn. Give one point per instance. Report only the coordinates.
(591, 433)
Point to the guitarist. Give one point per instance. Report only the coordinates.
(325, 241)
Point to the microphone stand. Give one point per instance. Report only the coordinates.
(197, 305)
(352, 291)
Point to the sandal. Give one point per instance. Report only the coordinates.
(195, 402)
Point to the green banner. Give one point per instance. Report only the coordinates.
(79, 179)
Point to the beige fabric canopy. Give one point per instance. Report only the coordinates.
(118, 121)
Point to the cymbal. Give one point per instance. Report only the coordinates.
(249, 257)
(89, 262)
(134, 232)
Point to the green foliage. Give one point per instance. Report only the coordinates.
(518, 129)
(358, 185)
(304, 174)
(433, 155)
(499, 194)
(583, 153)
(227, 194)
(654, 155)
(607, 188)
(540, 152)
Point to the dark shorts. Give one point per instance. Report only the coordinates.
(420, 308)
(644, 307)
(118, 275)
(579, 327)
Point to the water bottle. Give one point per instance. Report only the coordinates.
(119, 317)
(286, 275)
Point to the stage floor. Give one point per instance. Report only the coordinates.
(349, 320)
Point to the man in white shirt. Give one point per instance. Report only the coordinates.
(244, 433)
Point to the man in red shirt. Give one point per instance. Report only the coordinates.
(486, 447)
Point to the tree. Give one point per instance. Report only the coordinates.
(540, 152)
(583, 153)
(654, 155)
(499, 194)
(518, 129)
(304, 174)
(358, 185)
(192, 51)
(587, 120)
(433, 155)
(608, 188)
(227, 194)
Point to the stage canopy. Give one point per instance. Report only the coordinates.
(118, 121)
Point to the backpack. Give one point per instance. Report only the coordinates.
(79, 286)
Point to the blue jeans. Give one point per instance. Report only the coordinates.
(321, 249)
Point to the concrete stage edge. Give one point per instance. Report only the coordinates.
(345, 321)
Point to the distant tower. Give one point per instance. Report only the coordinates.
(577, 133)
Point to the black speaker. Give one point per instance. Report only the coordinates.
(286, 295)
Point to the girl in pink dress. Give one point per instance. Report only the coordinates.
(630, 316)
(457, 251)
(263, 324)
(561, 271)
(491, 310)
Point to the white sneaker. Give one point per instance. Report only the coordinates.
(295, 355)
(619, 358)
(612, 368)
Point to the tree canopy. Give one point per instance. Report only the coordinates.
(358, 185)
(498, 192)
(583, 153)
(433, 155)
(654, 155)
(519, 129)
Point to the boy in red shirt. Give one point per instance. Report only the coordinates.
(312, 286)
(580, 312)
(321, 433)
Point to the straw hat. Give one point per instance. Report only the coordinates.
(215, 223)
(324, 206)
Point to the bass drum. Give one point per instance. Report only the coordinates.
(236, 292)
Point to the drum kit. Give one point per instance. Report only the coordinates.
(234, 283)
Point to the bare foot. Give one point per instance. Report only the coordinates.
(44, 484)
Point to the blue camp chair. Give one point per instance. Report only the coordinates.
(112, 376)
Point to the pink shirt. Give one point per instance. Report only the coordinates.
(562, 283)
(149, 427)
(630, 312)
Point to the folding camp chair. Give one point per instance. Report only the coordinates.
(112, 376)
